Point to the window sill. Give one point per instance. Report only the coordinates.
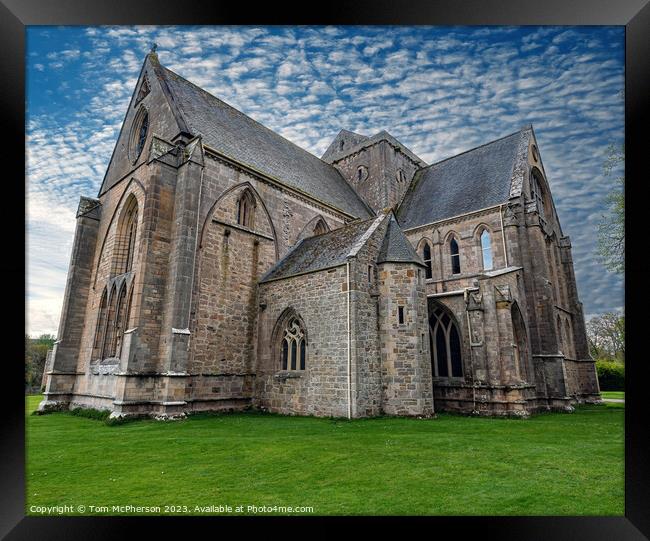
(289, 375)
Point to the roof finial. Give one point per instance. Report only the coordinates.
(154, 48)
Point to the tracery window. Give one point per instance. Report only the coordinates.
(426, 255)
(455, 256)
(246, 209)
(486, 250)
(293, 345)
(139, 130)
(445, 346)
(536, 192)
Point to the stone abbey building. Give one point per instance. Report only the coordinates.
(222, 267)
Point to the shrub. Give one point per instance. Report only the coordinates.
(90, 413)
(611, 375)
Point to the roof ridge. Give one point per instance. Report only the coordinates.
(473, 149)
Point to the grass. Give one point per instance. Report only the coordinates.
(613, 394)
(550, 464)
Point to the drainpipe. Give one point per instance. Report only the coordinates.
(347, 267)
(471, 344)
(503, 235)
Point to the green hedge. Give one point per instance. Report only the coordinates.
(611, 375)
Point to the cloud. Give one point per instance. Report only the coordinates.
(439, 90)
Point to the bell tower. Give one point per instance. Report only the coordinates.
(379, 168)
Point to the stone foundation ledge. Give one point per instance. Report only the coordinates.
(46, 405)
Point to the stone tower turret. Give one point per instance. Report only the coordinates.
(379, 168)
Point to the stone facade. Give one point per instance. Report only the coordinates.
(169, 307)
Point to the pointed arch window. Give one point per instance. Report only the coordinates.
(120, 316)
(321, 227)
(294, 348)
(101, 326)
(362, 173)
(486, 250)
(455, 256)
(138, 135)
(536, 192)
(126, 237)
(445, 345)
(246, 209)
(426, 255)
(110, 325)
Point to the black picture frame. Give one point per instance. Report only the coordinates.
(15, 15)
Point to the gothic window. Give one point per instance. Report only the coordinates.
(118, 331)
(110, 325)
(444, 342)
(139, 131)
(101, 326)
(362, 173)
(536, 192)
(246, 209)
(400, 175)
(293, 346)
(341, 144)
(400, 315)
(486, 250)
(455, 256)
(320, 228)
(426, 255)
(126, 236)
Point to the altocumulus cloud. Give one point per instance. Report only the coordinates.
(439, 90)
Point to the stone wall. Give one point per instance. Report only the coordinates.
(320, 300)
(379, 182)
(406, 366)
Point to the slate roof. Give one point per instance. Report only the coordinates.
(396, 247)
(321, 251)
(241, 138)
(476, 179)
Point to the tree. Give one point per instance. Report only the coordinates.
(35, 355)
(611, 229)
(606, 336)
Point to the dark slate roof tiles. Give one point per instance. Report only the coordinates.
(476, 179)
(321, 251)
(241, 138)
(396, 247)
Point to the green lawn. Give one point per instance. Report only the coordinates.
(550, 464)
(613, 394)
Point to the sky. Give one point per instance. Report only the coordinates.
(439, 90)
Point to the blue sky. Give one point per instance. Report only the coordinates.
(439, 90)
